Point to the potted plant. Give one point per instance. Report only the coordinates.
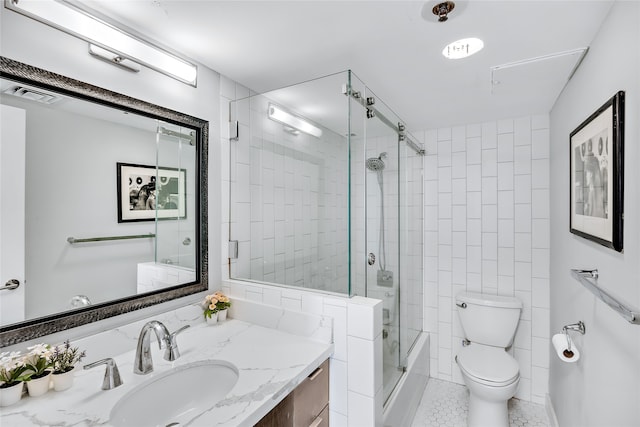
(11, 374)
(223, 304)
(37, 373)
(210, 309)
(63, 360)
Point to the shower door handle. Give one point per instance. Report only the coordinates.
(371, 258)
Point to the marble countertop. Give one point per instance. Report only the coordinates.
(270, 362)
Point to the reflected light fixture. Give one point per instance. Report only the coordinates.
(279, 115)
(118, 43)
(463, 48)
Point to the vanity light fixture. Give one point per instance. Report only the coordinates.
(291, 130)
(113, 58)
(78, 22)
(463, 48)
(279, 115)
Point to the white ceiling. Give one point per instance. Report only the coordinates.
(270, 44)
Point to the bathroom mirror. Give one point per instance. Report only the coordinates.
(103, 208)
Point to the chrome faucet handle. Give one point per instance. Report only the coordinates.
(111, 374)
(171, 352)
(143, 363)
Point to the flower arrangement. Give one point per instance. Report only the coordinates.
(38, 361)
(215, 303)
(64, 357)
(11, 369)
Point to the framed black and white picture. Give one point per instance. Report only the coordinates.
(147, 192)
(597, 175)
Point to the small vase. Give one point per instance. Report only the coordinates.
(222, 315)
(39, 386)
(213, 320)
(63, 380)
(11, 395)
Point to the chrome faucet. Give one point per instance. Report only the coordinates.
(143, 363)
(111, 374)
(171, 352)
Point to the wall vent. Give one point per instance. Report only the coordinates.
(32, 95)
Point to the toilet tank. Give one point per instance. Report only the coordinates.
(488, 319)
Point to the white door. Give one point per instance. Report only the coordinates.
(12, 172)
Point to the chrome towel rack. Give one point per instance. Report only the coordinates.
(589, 279)
(73, 240)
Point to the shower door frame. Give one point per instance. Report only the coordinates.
(368, 103)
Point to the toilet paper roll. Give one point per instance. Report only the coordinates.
(560, 345)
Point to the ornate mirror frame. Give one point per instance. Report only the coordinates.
(34, 328)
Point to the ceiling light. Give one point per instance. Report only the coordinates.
(70, 19)
(279, 115)
(462, 48)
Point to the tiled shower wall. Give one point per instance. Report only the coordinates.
(487, 229)
(356, 366)
(289, 207)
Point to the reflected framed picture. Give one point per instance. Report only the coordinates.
(147, 192)
(597, 175)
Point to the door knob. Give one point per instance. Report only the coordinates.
(11, 285)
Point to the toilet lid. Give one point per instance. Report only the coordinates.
(488, 364)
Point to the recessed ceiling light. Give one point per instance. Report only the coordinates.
(462, 48)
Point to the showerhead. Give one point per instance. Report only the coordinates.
(376, 164)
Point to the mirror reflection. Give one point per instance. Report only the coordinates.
(101, 203)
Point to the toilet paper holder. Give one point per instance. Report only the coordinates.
(578, 327)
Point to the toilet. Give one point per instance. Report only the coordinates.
(490, 373)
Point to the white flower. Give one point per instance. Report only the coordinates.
(40, 350)
(10, 361)
(7, 357)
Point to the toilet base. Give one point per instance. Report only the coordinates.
(487, 404)
(486, 413)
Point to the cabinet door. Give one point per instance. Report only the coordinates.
(311, 396)
(321, 420)
(280, 416)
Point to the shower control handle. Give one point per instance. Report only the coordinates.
(371, 258)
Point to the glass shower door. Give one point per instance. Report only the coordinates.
(382, 172)
(174, 198)
(411, 247)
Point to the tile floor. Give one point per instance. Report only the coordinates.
(444, 404)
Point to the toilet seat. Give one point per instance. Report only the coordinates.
(488, 365)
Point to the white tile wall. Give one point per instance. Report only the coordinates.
(288, 199)
(501, 247)
(356, 366)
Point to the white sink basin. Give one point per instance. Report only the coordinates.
(175, 397)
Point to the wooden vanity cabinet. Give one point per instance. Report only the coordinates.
(311, 398)
(306, 406)
(280, 416)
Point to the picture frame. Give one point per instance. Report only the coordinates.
(597, 175)
(146, 193)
